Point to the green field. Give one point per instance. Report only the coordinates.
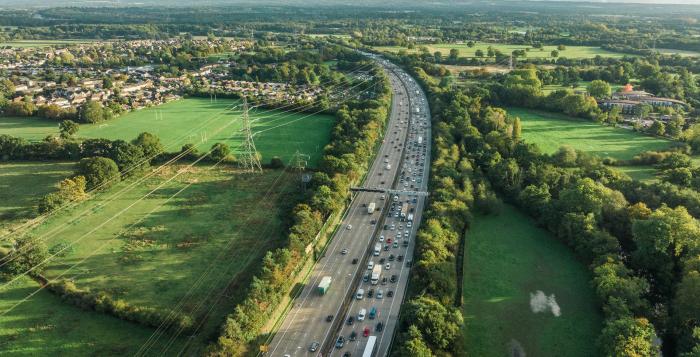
(507, 258)
(193, 119)
(47, 326)
(42, 43)
(551, 130)
(582, 85)
(22, 184)
(465, 51)
(159, 249)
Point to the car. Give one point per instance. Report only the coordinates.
(346, 354)
(388, 240)
(384, 281)
(313, 347)
(393, 278)
(400, 258)
(395, 245)
(370, 265)
(381, 261)
(380, 327)
(386, 248)
(373, 222)
(344, 251)
(365, 278)
(405, 243)
(329, 318)
(386, 226)
(349, 226)
(340, 342)
(409, 263)
(380, 294)
(387, 266)
(391, 258)
(351, 320)
(381, 238)
(390, 293)
(353, 336)
(361, 315)
(366, 332)
(354, 260)
(360, 294)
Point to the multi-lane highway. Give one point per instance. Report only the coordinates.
(401, 164)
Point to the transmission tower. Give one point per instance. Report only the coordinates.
(299, 162)
(249, 155)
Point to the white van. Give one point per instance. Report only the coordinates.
(370, 265)
(360, 294)
(361, 315)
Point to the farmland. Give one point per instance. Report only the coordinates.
(22, 184)
(550, 131)
(192, 120)
(465, 51)
(166, 252)
(504, 265)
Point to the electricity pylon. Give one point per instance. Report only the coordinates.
(249, 159)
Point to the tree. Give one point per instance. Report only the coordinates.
(69, 190)
(92, 112)
(517, 128)
(479, 53)
(657, 128)
(149, 144)
(554, 53)
(628, 337)
(68, 128)
(642, 110)
(599, 89)
(566, 156)
(414, 345)
(561, 47)
(128, 157)
(28, 252)
(440, 325)
(454, 54)
(99, 172)
(276, 162)
(219, 152)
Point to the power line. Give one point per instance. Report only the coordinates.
(250, 160)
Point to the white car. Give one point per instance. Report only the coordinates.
(349, 226)
(381, 238)
(344, 251)
(387, 266)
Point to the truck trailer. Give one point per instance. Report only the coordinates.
(370, 208)
(376, 272)
(324, 285)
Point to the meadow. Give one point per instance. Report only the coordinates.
(47, 326)
(545, 52)
(188, 253)
(550, 131)
(194, 120)
(23, 183)
(507, 260)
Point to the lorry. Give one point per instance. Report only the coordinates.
(376, 272)
(410, 217)
(420, 140)
(377, 249)
(370, 208)
(404, 211)
(324, 285)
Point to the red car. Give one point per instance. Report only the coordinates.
(366, 332)
(388, 240)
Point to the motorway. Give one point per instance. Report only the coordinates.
(307, 321)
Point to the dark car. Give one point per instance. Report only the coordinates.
(351, 320)
(329, 318)
(380, 327)
(384, 281)
(370, 293)
(381, 261)
(340, 342)
(346, 354)
(353, 336)
(400, 258)
(354, 260)
(314, 346)
(390, 293)
(393, 279)
(391, 258)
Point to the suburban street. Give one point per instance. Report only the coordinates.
(397, 166)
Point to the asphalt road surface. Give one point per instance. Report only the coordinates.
(306, 322)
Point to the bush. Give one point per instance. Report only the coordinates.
(98, 172)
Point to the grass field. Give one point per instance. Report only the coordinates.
(507, 258)
(22, 184)
(550, 131)
(465, 51)
(582, 85)
(192, 119)
(42, 43)
(47, 326)
(154, 253)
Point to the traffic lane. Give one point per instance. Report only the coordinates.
(301, 318)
